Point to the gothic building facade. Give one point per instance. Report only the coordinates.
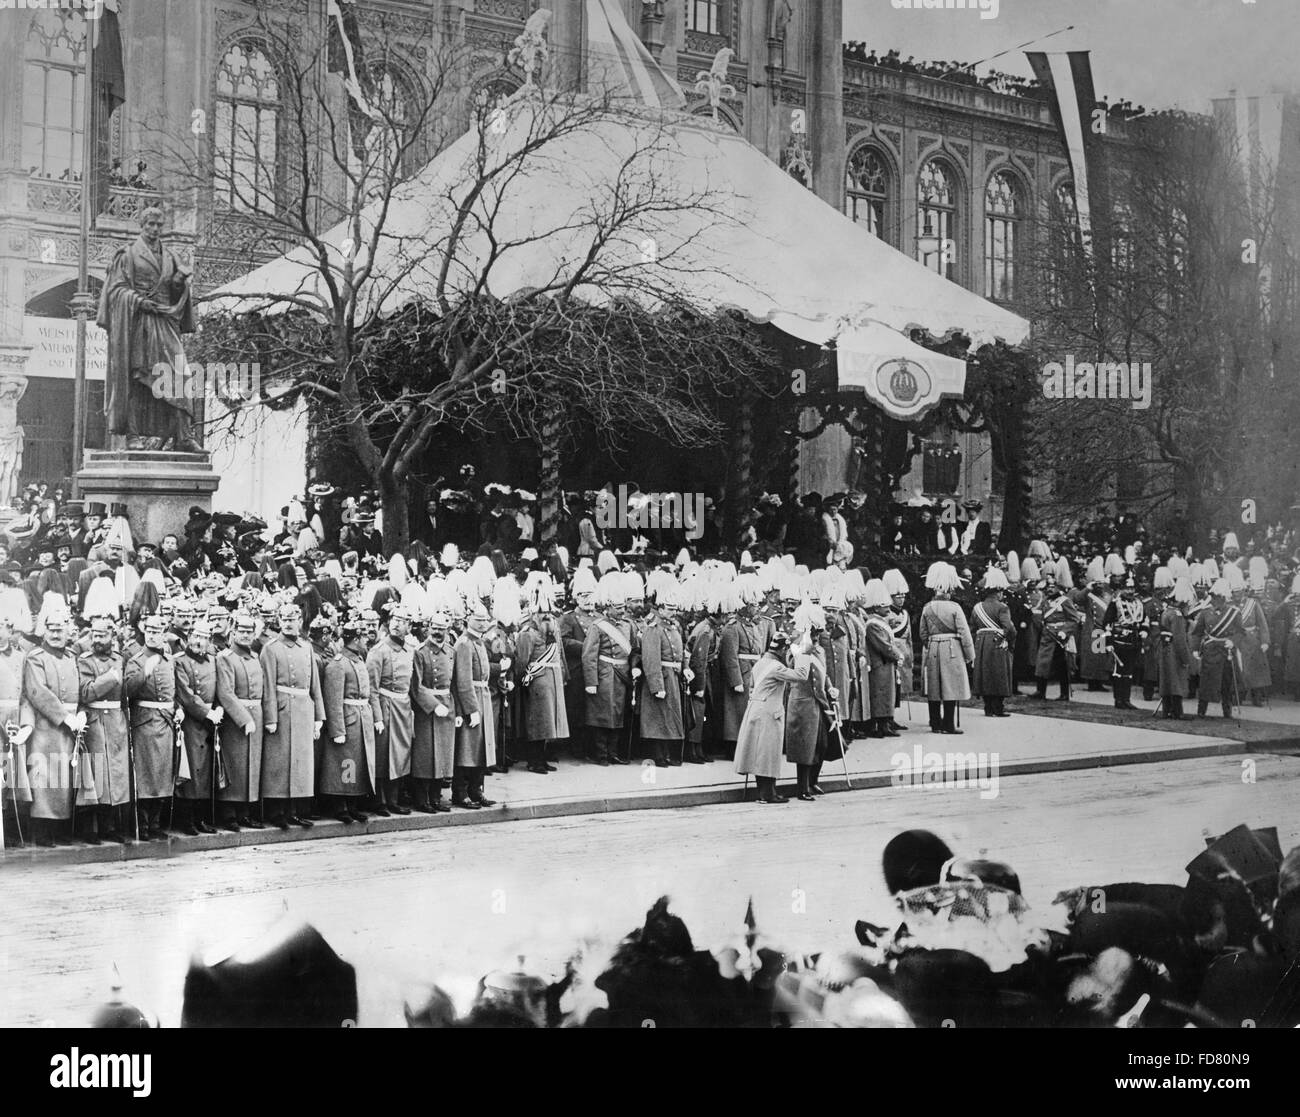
(956, 175)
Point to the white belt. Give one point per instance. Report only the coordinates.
(671, 666)
(146, 705)
(615, 662)
(104, 705)
(442, 694)
(9, 704)
(944, 636)
(254, 702)
(356, 701)
(394, 695)
(302, 690)
(748, 655)
(481, 682)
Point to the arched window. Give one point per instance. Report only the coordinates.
(705, 16)
(867, 190)
(53, 95)
(936, 223)
(246, 141)
(1003, 210)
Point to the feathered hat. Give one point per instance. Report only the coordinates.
(895, 581)
(1029, 571)
(995, 579)
(1096, 571)
(505, 602)
(1013, 567)
(1163, 579)
(875, 594)
(1064, 577)
(942, 577)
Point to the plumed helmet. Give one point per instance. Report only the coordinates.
(505, 602)
(584, 581)
(1064, 576)
(1184, 593)
(942, 577)
(1096, 571)
(1234, 577)
(1029, 571)
(995, 579)
(895, 581)
(605, 562)
(1163, 579)
(1115, 566)
(875, 595)
(1013, 567)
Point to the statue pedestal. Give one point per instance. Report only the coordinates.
(158, 487)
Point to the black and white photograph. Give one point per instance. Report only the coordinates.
(462, 462)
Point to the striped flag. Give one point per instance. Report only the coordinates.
(1068, 76)
(619, 64)
(345, 57)
(108, 78)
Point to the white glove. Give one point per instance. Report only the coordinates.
(590, 689)
(688, 674)
(832, 692)
(317, 726)
(23, 733)
(340, 740)
(248, 729)
(379, 727)
(661, 694)
(440, 711)
(269, 728)
(76, 722)
(739, 688)
(636, 672)
(459, 722)
(475, 720)
(505, 663)
(215, 715)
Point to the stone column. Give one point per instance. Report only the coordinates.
(13, 360)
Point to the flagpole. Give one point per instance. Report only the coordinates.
(82, 302)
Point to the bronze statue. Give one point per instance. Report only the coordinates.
(144, 307)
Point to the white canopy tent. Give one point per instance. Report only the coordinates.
(718, 225)
(745, 236)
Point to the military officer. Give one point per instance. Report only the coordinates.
(102, 673)
(472, 702)
(352, 713)
(389, 663)
(151, 691)
(16, 794)
(51, 687)
(196, 694)
(239, 691)
(433, 747)
(661, 715)
(607, 669)
(1059, 621)
(292, 714)
(1125, 620)
(1216, 637)
(738, 652)
(573, 635)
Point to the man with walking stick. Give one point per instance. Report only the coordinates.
(151, 694)
(607, 670)
(101, 690)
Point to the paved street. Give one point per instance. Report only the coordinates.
(450, 904)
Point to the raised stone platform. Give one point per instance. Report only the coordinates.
(158, 487)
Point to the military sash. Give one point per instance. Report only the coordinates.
(1224, 623)
(615, 637)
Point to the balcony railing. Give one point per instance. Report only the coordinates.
(879, 79)
(52, 196)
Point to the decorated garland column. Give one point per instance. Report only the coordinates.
(549, 483)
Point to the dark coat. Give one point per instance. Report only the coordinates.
(991, 675)
(351, 712)
(153, 734)
(606, 665)
(882, 661)
(1095, 663)
(540, 675)
(807, 701)
(661, 665)
(196, 693)
(1175, 654)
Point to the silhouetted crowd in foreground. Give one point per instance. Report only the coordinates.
(962, 948)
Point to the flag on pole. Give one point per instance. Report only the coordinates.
(618, 62)
(1068, 77)
(346, 57)
(106, 72)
